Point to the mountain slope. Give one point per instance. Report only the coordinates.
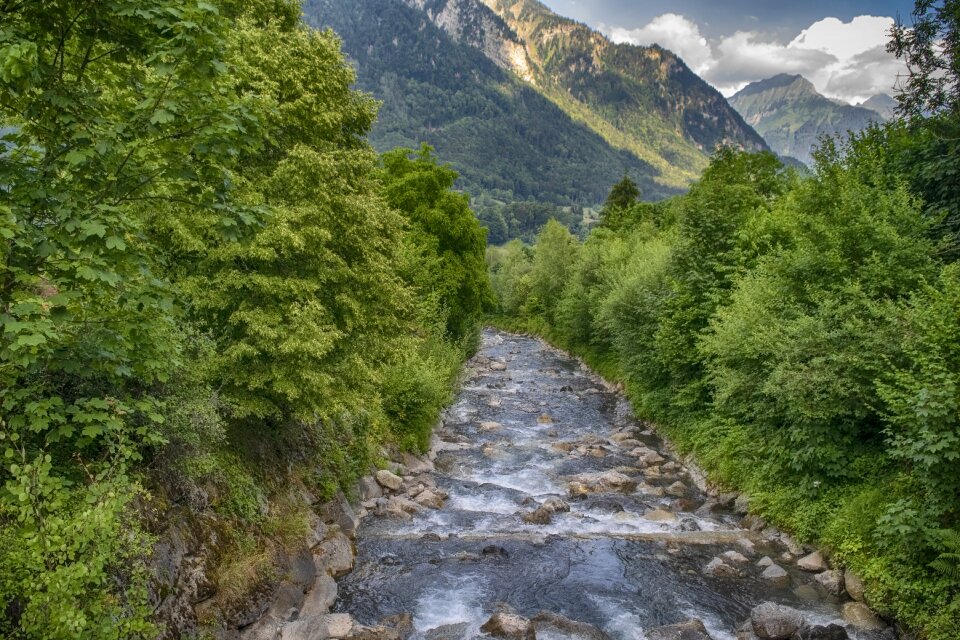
(883, 104)
(792, 116)
(506, 140)
(640, 98)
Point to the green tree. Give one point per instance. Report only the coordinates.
(554, 256)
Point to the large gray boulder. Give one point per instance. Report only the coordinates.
(548, 623)
(690, 630)
(771, 621)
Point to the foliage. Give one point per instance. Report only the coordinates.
(930, 47)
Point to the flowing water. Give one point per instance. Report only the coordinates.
(605, 562)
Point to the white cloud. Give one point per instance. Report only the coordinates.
(673, 32)
(844, 60)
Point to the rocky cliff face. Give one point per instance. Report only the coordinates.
(792, 116)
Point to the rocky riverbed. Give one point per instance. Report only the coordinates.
(544, 510)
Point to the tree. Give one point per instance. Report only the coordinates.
(622, 197)
(930, 47)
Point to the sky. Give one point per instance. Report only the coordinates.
(839, 45)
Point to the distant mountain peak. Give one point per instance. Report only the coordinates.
(792, 115)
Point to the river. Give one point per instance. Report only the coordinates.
(628, 556)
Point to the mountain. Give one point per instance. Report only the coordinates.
(883, 104)
(792, 116)
(527, 105)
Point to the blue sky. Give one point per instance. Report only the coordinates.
(838, 44)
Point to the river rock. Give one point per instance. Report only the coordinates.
(832, 581)
(334, 555)
(813, 562)
(454, 631)
(540, 516)
(822, 632)
(772, 621)
(747, 545)
(690, 630)
(586, 483)
(417, 465)
(776, 575)
(389, 480)
(490, 425)
(735, 557)
(339, 512)
(510, 626)
(742, 504)
(677, 489)
(427, 498)
(717, 568)
(660, 515)
(323, 627)
(497, 365)
(853, 585)
(321, 597)
(369, 489)
(554, 624)
(402, 623)
(861, 617)
(556, 505)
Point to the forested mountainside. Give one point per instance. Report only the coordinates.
(507, 142)
(792, 116)
(526, 104)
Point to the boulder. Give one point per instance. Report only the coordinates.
(498, 365)
(369, 489)
(677, 489)
(776, 575)
(402, 623)
(339, 512)
(741, 505)
(490, 425)
(853, 585)
(454, 631)
(813, 562)
(554, 624)
(765, 562)
(832, 581)
(860, 616)
(772, 621)
(389, 480)
(427, 498)
(320, 597)
(747, 545)
(540, 516)
(323, 627)
(660, 515)
(556, 505)
(334, 555)
(545, 419)
(735, 557)
(690, 630)
(717, 568)
(417, 465)
(510, 626)
(822, 632)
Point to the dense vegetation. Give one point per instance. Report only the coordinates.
(202, 264)
(799, 333)
(507, 141)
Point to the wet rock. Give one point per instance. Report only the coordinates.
(861, 617)
(765, 562)
(690, 630)
(339, 512)
(660, 515)
(389, 480)
(545, 419)
(813, 562)
(677, 489)
(498, 365)
(454, 631)
(556, 505)
(416, 465)
(334, 555)
(806, 593)
(321, 597)
(323, 627)
(854, 585)
(821, 632)
(772, 621)
(369, 489)
(431, 537)
(554, 624)
(510, 626)
(754, 523)
(564, 447)
(492, 550)
(689, 524)
(402, 623)
(735, 557)
(832, 581)
(776, 575)
(717, 568)
(540, 516)
(741, 505)
(746, 544)
(429, 499)
(494, 402)
(587, 483)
